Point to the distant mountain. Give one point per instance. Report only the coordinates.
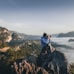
(69, 34)
(4, 32)
(54, 35)
(27, 37)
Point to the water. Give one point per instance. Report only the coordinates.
(69, 53)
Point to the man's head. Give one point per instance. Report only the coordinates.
(45, 35)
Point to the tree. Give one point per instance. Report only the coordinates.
(15, 36)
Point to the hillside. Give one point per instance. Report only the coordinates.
(69, 34)
(14, 49)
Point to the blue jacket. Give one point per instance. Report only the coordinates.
(44, 41)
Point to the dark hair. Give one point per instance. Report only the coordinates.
(44, 34)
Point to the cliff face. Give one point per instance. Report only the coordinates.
(5, 35)
(8, 39)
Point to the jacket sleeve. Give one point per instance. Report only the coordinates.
(46, 41)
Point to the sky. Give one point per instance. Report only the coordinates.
(35, 17)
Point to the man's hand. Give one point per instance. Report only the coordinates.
(49, 36)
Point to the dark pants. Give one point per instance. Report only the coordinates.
(46, 48)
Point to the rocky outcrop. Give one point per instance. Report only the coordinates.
(5, 35)
(71, 40)
(55, 62)
(29, 65)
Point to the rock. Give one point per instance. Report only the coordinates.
(71, 40)
(5, 34)
(57, 64)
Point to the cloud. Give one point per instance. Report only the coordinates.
(16, 26)
(9, 25)
(2, 22)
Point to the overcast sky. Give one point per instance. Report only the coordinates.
(37, 16)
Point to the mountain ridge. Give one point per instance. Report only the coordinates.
(68, 34)
(33, 37)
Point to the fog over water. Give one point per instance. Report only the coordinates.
(69, 52)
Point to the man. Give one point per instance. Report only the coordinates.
(47, 49)
(45, 42)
